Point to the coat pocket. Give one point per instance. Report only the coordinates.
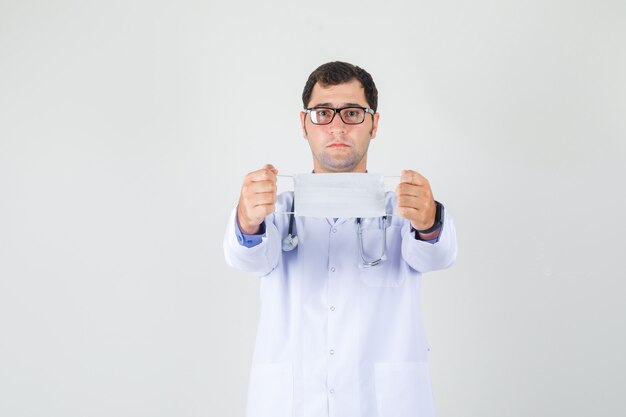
(270, 393)
(403, 390)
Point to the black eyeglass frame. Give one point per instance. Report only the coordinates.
(338, 111)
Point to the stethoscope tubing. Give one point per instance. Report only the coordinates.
(291, 241)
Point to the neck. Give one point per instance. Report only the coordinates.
(320, 170)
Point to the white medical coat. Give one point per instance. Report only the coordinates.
(336, 339)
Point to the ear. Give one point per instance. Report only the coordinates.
(302, 125)
(374, 125)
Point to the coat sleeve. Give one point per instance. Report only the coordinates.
(260, 259)
(424, 256)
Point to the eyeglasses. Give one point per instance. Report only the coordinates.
(349, 115)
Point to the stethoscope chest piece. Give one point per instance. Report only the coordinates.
(290, 242)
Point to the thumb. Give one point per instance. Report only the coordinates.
(271, 168)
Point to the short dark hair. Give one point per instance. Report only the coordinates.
(334, 73)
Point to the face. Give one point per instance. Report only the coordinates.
(338, 147)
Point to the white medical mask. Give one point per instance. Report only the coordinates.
(339, 195)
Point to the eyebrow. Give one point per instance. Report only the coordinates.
(344, 105)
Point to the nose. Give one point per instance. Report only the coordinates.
(337, 125)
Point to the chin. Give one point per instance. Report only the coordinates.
(339, 168)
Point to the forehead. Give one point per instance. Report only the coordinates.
(338, 95)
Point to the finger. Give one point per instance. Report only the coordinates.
(264, 174)
(262, 211)
(271, 168)
(408, 189)
(257, 187)
(423, 192)
(412, 177)
(249, 197)
(407, 213)
(262, 199)
(412, 202)
(420, 219)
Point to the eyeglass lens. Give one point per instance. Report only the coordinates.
(349, 115)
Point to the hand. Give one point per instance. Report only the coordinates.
(257, 199)
(415, 200)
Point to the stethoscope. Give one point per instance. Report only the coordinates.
(291, 241)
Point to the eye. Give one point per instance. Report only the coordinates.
(352, 115)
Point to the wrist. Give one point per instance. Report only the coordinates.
(246, 227)
(249, 230)
(429, 236)
(437, 222)
(436, 227)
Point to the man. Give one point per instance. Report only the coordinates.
(335, 338)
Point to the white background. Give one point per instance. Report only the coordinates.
(127, 126)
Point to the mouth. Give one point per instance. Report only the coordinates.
(338, 145)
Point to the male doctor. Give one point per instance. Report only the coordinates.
(337, 339)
